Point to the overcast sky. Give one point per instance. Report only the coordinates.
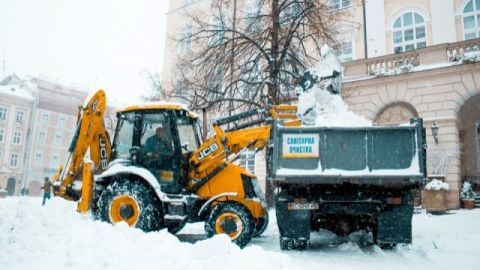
(87, 43)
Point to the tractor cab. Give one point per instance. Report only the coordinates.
(158, 137)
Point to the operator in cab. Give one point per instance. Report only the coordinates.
(159, 144)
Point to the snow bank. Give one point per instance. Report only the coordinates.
(57, 237)
(436, 185)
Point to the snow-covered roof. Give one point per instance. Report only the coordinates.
(18, 91)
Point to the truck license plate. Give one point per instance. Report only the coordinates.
(302, 206)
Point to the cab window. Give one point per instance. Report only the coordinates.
(156, 137)
(124, 135)
(187, 133)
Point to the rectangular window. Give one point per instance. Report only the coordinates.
(345, 52)
(252, 19)
(62, 121)
(41, 137)
(338, 4)
(470, 35)
(397, 37)
(19, 117)
(17, 137)
(44, 119)
(408, 34)
(58, 139)
(2, 134)
(409, 47)
(14, 160)
(247, 161)
(421, 45)
(55, 162)
(186, 39)
(38, 159)
(468, 22)
(218, 30)
(3, 113)
(420, 32)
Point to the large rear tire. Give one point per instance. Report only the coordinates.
(233, 219)
(132, 202)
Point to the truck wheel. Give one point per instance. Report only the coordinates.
(302, 244)
(286, 243)
(232, 219)
(387, 245)
(132, 202)
(261, 225)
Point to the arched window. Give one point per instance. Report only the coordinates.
(471, 19)
(409, 32)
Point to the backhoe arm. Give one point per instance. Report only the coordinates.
(90, 134)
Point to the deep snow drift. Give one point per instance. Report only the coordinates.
(57, 237)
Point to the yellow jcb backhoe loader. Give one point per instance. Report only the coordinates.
(157, 173)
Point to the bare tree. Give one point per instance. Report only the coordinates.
(155, 91)
(250, 56)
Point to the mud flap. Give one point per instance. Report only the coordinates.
(394, 224)
(293, 224)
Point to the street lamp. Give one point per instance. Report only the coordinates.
(435, 129)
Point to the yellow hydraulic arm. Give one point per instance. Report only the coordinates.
(213, 153)
(90, 134)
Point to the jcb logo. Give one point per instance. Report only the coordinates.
(103, 153)
(208, 151)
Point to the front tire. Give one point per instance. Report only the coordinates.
(132, 202)
(233, 219)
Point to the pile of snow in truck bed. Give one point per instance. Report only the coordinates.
(330, 110)
(57, 237)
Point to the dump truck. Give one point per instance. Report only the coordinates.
(345, 179)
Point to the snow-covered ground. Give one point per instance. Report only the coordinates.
(57, 237)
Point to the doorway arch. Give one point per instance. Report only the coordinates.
(469, 135)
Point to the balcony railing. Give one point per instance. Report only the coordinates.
(437, 56)
(464, 52)
(398, 64)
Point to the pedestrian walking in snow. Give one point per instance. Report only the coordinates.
(47, 190)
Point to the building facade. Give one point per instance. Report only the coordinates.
(54, 120)
(402, 59)
(17, 97)
(37, 121)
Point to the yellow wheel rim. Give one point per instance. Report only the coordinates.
(229, 224)
(124, 208)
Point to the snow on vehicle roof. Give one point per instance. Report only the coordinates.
(158, 105)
